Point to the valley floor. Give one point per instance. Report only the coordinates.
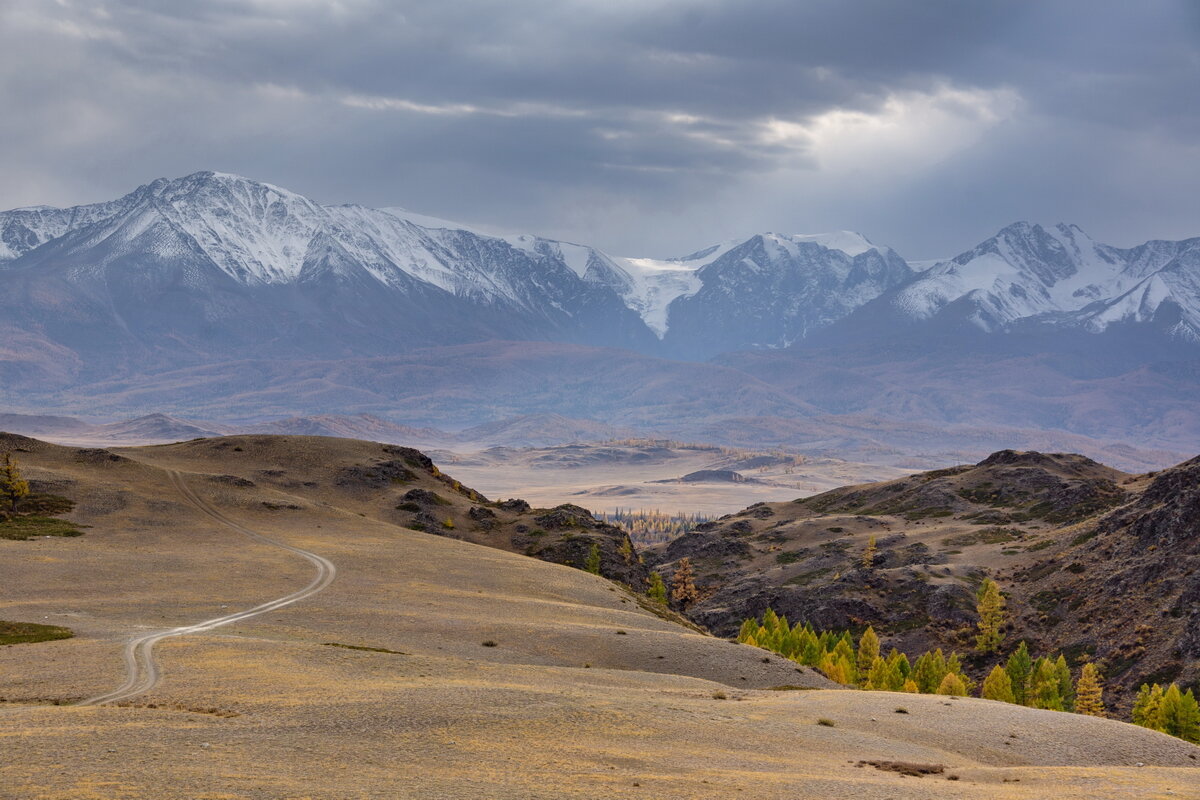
(381, 686)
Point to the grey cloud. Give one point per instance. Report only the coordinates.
(637, 126)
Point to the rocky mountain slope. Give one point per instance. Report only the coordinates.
(1095, 562)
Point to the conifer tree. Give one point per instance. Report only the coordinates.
(868, 651)
(1019, 668)
(869, 555)
(592, 564)
(13, 487)
(929, 671)
(811, 653)
(991, 617)
(626, 550)
(849, 670)
(878, 676)
(952, 684)
(1189, 727)
(1043, 686)
(1066, 689)
(1146, 706)
(998, 686)
(1170, 710)
(658, 591)
(843, 653)
(1089, 692)
(683, 585)
(910, 686)
(899, 670)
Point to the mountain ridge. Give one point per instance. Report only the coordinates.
(767, 290)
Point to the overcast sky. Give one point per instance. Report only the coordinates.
(646, 127)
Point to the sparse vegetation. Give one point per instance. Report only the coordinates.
(22, 528)
(825, 722)
(30, 632)
(25, 514)
(365, 648)
(869, 554)
(13, 488)
(908, 768)
(982, 536)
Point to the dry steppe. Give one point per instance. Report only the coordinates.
(584, 694)
(646, 475)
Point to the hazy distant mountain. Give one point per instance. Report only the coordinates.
(1028, 277)
(211, 267)
(217, 297)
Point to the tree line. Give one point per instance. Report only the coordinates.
(1045, 682)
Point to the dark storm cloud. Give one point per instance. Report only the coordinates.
(645, 127)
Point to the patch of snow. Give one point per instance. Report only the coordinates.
(849, 242)
(438, 223)
(654, 285)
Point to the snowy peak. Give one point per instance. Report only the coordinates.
(1061, 276)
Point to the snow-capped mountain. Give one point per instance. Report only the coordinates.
(213, 267)
(773, 290)
(1029, 275)
(216, 260)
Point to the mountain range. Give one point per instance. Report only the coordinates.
(215, 295)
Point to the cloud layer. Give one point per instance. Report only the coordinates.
(648, 127)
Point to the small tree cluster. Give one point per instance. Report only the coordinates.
(835, 655)
(1169, 710)
(1045, 682)
(1041, 683)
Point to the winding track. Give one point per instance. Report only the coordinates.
(142, 673)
